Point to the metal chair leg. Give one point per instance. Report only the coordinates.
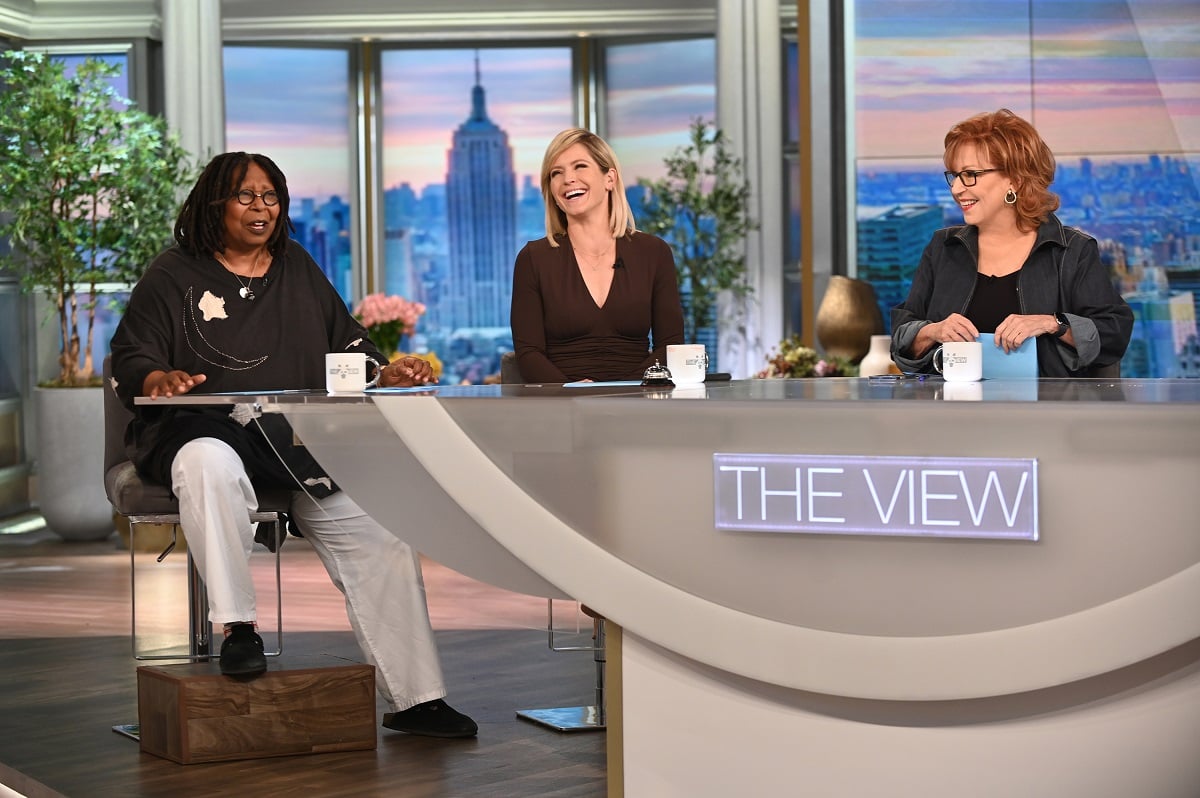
(601, 664)
(200, 645)
(581, 718)
(199, 629)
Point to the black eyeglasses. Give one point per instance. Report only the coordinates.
(967, 176)
(246, 197)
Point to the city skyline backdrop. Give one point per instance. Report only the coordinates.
(425, 95)
(1128, 63)
(913, 87)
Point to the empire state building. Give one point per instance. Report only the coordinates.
(482, 220)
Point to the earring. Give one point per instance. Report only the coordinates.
(1010, 198)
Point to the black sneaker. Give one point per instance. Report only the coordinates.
(434, 718)
(242, 652)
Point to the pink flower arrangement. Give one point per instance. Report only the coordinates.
(794, 359)
(387, 317)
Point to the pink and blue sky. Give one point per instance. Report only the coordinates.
(653, 93)
(1098, 78)
(1101, 77)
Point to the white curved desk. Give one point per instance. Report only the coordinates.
(963, 666)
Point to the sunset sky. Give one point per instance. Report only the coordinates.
(426, 95)
(1108, 78)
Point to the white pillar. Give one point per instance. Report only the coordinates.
(194, 75)
(750, 111)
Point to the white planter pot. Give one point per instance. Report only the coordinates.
(70, 448)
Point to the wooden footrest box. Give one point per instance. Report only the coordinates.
(191, 713)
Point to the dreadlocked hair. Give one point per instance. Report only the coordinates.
(200, 226)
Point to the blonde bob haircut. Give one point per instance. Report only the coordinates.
(1016, 150)
(620, 215)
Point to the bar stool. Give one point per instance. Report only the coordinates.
(590, 717)
(142, 502)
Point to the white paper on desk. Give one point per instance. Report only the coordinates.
(269, 392)
(408, 389)
(1019, 364)
(600, 384)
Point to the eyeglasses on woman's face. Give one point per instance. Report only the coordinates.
(967, 176)
(246, 197)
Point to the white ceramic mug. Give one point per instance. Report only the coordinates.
(959, 361)
(346, 372)
(962, 391)
(689, 392)
(687, 363)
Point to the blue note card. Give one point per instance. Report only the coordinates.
(1020, 364)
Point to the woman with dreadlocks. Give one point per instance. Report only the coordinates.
(236, 305)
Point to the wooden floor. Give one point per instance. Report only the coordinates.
(67, 676)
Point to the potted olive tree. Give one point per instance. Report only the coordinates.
(88, 190)
(701, 208)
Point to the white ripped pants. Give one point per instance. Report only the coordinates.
(379, 574)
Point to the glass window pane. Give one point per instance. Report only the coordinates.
(1131, 67)
(464, 132)
(920, 66)
(303, 124)
(791, 82)
(1114, 93)
(653, 92)
(110, 304)
(793, 315)
(12, 344)
(120, 82)
(793, 234)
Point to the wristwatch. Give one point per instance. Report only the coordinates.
(1063, 326)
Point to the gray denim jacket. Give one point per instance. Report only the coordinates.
(1063, 274)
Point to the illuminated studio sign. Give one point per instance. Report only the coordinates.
(952, 497)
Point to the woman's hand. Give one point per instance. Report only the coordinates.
(406, 372)
(170, 383)
(955, 327)
(1015, 330)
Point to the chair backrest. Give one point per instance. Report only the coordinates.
(128, 493)
(1110, 372)
(510, 371)
(116, 419)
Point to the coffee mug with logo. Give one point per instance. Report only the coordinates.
(959, 361)
(962, 391)
(346, 372)
(687, 363)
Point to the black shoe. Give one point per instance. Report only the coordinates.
(434, 718)
(242, 652)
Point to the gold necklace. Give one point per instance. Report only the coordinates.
(245, 291)
(605, 257)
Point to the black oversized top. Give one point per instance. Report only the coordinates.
(186, 313)
(561, 335)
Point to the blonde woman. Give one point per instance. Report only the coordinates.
(595, 299)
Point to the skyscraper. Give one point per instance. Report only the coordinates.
(482, 218)
(890, 243)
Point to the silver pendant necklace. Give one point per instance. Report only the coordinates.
(245, 292)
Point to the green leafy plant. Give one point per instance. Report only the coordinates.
(88, 189)
(701, 208)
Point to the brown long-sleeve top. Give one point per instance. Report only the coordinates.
(561, 335)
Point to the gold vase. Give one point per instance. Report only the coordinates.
(847, 318)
